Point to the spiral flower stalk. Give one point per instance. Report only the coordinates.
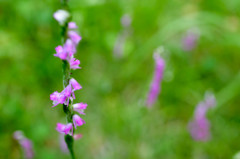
(66, 52)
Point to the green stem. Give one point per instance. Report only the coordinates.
(67, 109)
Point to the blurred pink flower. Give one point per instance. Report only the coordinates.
(74, 63)
(61, 52)
(70, 48)
(156, 82)
(199, 127)
(25, 143)
(189, 41)
(74, 36)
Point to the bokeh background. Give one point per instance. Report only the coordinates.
(118, 124)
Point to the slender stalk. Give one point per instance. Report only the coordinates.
(66, 77)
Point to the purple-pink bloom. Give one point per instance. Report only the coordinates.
(25, 143)
(74, 63)
(27, 147)
(77, 121)
(70, 47)
(189, 41)
(67, 93)
(75, 84)
(57, 98)
(210, 100)
(156, 82)
(66, 129)
(199, 127)
(79, 107)
(74, 36)
(63, 97)
(61, 52)
(72, 25)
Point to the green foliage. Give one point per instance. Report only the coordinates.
(118, 125)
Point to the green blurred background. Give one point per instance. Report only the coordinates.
(118, 125)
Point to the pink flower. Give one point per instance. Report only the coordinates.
(27, 147)
(77, 121)
(79, 107)
(67, 51)
(72, 25)
(74, 63)
(75, 84)
(25, 143)
(74, 36)
(70, 47)
(57, 98)
(66, 129)
(67, 93)
(61, 53)
(189, 41)
(210, 100)
(155, 85)
(199, 127)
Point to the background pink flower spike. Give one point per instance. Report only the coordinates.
(156, 82)
(199, 127)
(25, 143)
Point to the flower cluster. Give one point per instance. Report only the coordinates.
(66, 96)
(199, 127)
(158, 75)
(25, 143)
